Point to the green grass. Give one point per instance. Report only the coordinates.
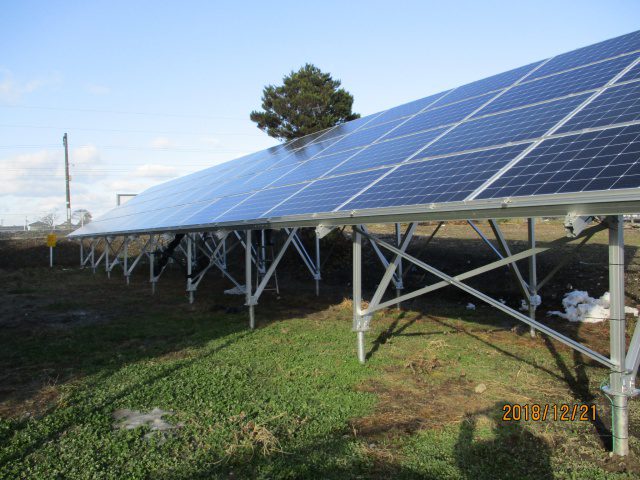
(290, 400)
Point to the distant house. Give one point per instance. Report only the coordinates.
(39, 227)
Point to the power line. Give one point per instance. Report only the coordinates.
(121, 112)
(177, 148)
(116, 130)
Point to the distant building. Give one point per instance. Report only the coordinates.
(39, 227)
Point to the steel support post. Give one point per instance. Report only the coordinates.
(189, 266)
(359, 321)
(399, 276)
(224, 255)
(317, 275)
(263, 257)
(152, 277)
(533, 274)
(616, 389)
(247, 274)
(93, 256)
(81, 253)
(107, 246)
(126, 259)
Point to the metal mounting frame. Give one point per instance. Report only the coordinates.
(622, 364)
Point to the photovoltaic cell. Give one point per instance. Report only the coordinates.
(437, 117)
(633, 74)
(522, 124)
(387, 152)
(345, 128)
(602, 160)
(575, 81)
(490, 84)
(314, 169)
(327, 194)
(408, 109)
(361, 137)
(444, 179)
(617, 104)
(212, 210)
(256, 205)
(592, 53)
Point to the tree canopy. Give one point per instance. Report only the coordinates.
(308, 101)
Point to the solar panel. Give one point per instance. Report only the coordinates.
(618, 104)
(326, 194)
(633, 74)
(522, 124)
(567, 125)
(410, 108)
(442, 179)
(440, 116)
(387, 152)
(592, 53)
(600, 160)
(559, 85)
(490, 84)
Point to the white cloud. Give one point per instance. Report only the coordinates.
(154, 171)
(211, 141)
(12, 90)
(162, 142)
(95, 89)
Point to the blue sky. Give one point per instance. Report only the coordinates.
(152, 90)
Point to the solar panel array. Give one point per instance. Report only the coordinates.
(567, 124)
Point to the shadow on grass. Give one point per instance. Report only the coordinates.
(501, 455)
(484, 447)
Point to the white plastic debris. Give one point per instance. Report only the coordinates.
(130, 419)
(471, 306)
(235, 291)
(580, 307)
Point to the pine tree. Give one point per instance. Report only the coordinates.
(308, 101)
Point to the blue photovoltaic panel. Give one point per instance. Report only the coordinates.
(326, 195)
(256, 205)
(633, 74)
(266, 178)
(616, 104)
(387, 152)
(522, 124)
(408, 109)
(316, 168)
(490, 84)
(437, 117)
(361, 137)
(210, 212)
(601, 160)
(575, 81)
(432, 151)
(345, 128)
(444, 179)
(592, 53)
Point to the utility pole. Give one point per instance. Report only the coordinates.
(66, 171)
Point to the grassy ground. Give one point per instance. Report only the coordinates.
(288, 400)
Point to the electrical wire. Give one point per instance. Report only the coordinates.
(121, 112)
